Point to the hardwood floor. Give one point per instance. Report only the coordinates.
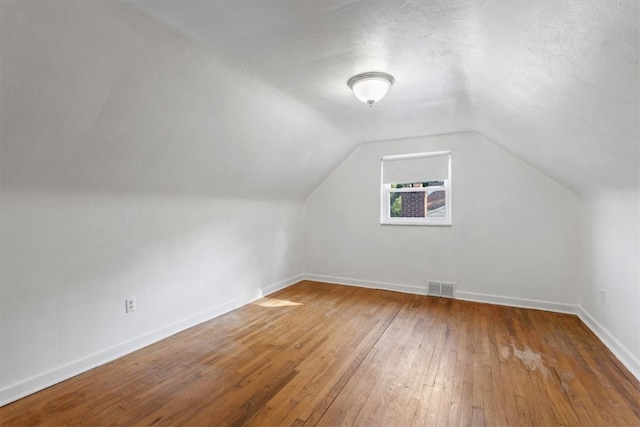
(319, 354)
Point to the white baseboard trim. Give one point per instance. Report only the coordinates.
(623, 354)
(41, 381)
(281, 285)
(367, 284)
(518, 302)
(47, 379)
(467, 296)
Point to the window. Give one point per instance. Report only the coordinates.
(416, 189)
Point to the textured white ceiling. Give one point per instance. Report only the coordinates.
(310, 49)
(249, 98)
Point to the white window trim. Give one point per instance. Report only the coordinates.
(385, 190)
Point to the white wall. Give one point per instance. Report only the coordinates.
(97, 96)
(120, 138)
(69, 260)
(514, 237)
(610, 260)
(122, 143)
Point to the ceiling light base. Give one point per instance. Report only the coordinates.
(370, 87)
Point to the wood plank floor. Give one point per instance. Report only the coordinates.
(329, 355)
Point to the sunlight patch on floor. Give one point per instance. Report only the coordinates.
(272, 302)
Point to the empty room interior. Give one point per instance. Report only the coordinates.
(336, 212)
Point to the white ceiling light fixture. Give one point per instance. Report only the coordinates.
(370, 87)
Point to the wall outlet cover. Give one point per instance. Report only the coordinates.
(130, 305)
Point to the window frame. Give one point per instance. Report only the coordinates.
(386, 190)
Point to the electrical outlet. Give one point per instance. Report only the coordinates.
(602, 295)
(130, 305)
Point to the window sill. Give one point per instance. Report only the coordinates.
(418, 223)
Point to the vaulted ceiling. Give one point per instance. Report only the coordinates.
(249, 98)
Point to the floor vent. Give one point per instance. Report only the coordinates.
(442, 289)
(434, 288)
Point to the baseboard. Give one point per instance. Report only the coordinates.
(518, 302)
(281, 285)
(41, 381)
(623, 354)
(47, 379)
(367, 284)
(467, 296)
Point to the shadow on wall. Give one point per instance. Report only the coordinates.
(69, 261)
(101, 97)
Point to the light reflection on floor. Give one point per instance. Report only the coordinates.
(272, 302)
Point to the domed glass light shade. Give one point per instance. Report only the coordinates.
(370, 87)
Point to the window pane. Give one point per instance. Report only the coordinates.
(395, 205)
(412, 204)
(417, 204)
(418, 184)
(436, 204)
